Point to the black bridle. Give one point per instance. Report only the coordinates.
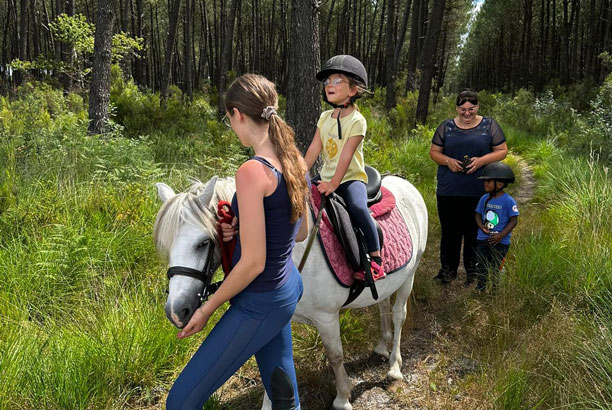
(205, 275)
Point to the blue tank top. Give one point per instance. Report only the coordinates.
(280, 236)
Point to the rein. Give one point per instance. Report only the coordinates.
(313, 233)
(225, 215)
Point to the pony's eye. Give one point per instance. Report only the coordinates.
(203, 244)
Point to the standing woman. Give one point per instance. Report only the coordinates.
(461, 147)
(264, 285)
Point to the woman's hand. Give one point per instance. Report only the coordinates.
(326, 188)
(229, 230)
(476, 162)
(196, 323)
(454, 165)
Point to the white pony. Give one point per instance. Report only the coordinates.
(185, 233)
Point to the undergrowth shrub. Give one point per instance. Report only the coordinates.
(141, 114)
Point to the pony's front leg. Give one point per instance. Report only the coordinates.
(267, 403)
(399, 317)
(328, 326)
(382, 348)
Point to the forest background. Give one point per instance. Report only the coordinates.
(102, 99)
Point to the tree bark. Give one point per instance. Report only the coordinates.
(413, 49)
(68, 52)
(99, 92)
(340, 29)
(389, 56)
(35, 30)
(187, 55)
(427, 59)
(325, 32)
(374, 73)
(22, 35)
(606, 38)
(303, 100)
(173, 20)
(227, 50)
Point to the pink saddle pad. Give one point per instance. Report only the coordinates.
(397, 247)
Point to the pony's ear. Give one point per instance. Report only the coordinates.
(209, 191)
(164, 192)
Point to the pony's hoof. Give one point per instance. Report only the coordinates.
(395, 374)
(342, 405)
(381, 349)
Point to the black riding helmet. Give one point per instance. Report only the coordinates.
(344, 64)
(349, 66)
(498, 171)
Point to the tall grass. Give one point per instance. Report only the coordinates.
(544, 338)
(81, 319)
(81, 304)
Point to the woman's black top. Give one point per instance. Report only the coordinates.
(457, 143)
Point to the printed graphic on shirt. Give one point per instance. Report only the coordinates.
(331, 148)
(491, 219)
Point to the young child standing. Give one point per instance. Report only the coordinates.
(339, 137)
(496, 217)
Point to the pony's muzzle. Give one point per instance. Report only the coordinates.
(178, 314)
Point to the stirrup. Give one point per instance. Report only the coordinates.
(377, 271)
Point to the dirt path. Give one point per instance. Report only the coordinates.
(426, 365)
(430, 367)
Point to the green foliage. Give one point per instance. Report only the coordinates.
(82, 287)
(402, 116)
(78, 35)
(74, 31)
(125, 47)
(578, 117)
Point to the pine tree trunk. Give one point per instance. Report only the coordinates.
(428, 56)
(303, 100)
(99, 92)
(173, 23)
(413, 50)
(22, 35)
(389, 56)
(188, 81)
(325, 41)
(227, 49)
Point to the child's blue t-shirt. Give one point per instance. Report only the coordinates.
(496, 215)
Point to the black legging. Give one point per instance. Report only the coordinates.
(457, 220)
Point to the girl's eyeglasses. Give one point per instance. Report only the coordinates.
(335, 82)
(226, 121)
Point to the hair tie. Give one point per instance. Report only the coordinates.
(267, 112)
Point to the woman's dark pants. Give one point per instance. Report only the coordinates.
(458, 223)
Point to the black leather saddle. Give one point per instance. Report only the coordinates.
(340, 219)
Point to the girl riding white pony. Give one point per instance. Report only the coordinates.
(323, 296)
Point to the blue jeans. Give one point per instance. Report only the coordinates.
(356, 197)
(257, 323)
(489, 259)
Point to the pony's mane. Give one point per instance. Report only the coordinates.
(185, 207)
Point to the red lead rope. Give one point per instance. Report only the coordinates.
(225, 215)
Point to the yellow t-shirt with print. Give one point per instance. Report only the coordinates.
(352, 125)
